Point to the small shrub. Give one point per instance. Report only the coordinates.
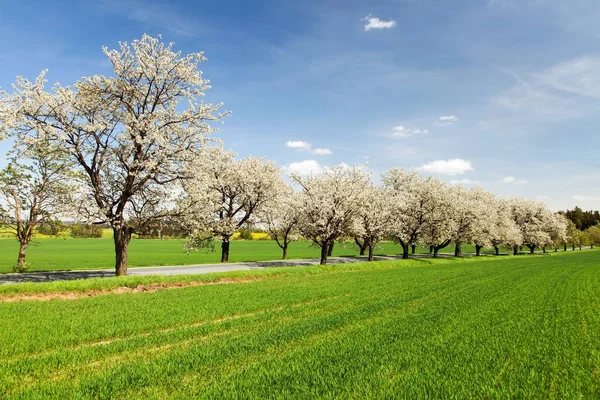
(245, 234)
(20, 269)
(86, 231)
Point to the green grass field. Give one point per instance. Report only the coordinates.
(509, 327)
(61, 254)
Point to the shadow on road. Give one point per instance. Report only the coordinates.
(53, 276)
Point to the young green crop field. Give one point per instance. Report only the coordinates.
(68, 254)
(506, 327)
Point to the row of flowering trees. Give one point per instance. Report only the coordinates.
(135, 148)
(344, 203)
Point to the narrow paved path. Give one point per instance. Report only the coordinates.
(195, 269)
(176, 269)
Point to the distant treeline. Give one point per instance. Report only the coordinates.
(582, 219)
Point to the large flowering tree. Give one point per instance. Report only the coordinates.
(226, 193)
(130, 134)
(504, 230)
(533, 219)
(373, 218)
(281, 218)
(438, 230)
(329, 203)
(410, 204)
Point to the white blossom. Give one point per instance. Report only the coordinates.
(131, 134)
(329, 204)
(226, 193)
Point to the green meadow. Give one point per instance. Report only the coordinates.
(68, 254)
(507, 327)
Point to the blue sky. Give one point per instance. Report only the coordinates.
(500, 93)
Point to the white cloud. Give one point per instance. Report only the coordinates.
(513, 180)
(321, 151)
(446, 120)
(306, 167)
(451, 118)
(452, 167)
(465, 182)
(402, 132)
(585, 198)
(298, 144)
(305, 146)
(376, 23)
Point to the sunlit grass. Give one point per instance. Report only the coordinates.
(511, 327)
(67, 254)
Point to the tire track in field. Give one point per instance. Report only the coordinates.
(133, 355)
(195, 324)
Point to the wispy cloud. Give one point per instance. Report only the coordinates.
(579, 76)
(376, 23)
(513, 180)
(585, 198)
(452, 167)
(465, 182)
(308, 167)
(562, 91)
(402, 132)
(446, 120)
(153, 14)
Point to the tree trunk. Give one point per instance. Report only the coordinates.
(404, 249)
(544, 250)
(284, 256)
(361, 246)
(478, 250)
(122, 237)
(592, 246)
(497, 250)
(430, 249)
(565, 247)
(579, 246)
(531, 248)
(22, 253)
(435, 251)
(413, 248)
(515, 250)
(324, 249)
(573, 247)
(457, 250)
(370, 252)
(330, 248)
(225, 250)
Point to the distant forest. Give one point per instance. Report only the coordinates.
(582, 219)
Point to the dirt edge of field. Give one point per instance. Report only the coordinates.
(143, 288)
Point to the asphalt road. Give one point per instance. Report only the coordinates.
(172, 270)
(187, 269)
